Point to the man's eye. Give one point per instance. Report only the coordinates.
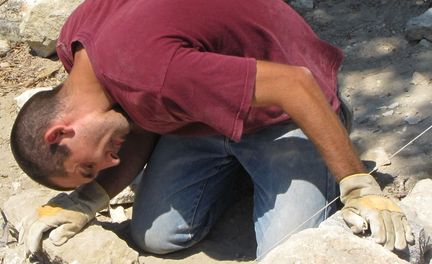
(86, 174)
(87, 171)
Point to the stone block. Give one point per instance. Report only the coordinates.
(333, 241)
(94, 245)
(37, 22)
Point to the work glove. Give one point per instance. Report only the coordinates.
(66, 214)
(367, 207)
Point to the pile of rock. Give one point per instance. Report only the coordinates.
(332, 242)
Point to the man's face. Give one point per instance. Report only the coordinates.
(94, 147)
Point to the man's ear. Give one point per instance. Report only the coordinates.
(56, 133)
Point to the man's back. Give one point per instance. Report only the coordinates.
(188, 66)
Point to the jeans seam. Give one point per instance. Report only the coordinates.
(197, 203)
(227, 146)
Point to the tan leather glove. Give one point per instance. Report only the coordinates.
(366, 207)
(66, 214)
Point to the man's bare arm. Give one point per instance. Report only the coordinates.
(296, 91)
(134, 154)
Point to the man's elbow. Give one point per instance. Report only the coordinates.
(277, 81)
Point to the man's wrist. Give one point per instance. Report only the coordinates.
(358, 185)
(92, 195)
(351, 176)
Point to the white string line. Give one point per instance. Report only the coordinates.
(294, 230)
(335, 199)
(409, 143)
(402, 148)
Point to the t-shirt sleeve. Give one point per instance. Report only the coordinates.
(210, 88)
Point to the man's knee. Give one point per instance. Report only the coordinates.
(157, 241)
(164, 235)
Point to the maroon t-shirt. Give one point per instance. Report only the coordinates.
(189, 66)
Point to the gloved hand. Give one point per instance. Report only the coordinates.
(366, 207)
(67, 214)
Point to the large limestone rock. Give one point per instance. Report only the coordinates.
(37, 22)
(420, 27)
(11, 16)
(94, 245)
(333, 242)
(330, 245)
(418, 204)
(42, 26)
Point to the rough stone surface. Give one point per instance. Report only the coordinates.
(106, 246)
(15, 255)
(11, 16)
(333, 241)
(330, 244)
(36, 21)
(418, 204)
(42, 27)
(420, 27)
(414, 254)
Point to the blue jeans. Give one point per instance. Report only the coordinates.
(186, 186)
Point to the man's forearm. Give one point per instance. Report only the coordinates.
(134, 154)
(295, 90)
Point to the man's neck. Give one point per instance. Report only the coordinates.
(82, 86)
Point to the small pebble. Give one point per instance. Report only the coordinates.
(412, 120)
(4, 65)
(373, 118)
(117, 214)
(425, 43)
(388, 113)
(4, 47)
(418, 78)
(394, 105)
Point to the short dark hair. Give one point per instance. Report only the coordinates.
(39, 160)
